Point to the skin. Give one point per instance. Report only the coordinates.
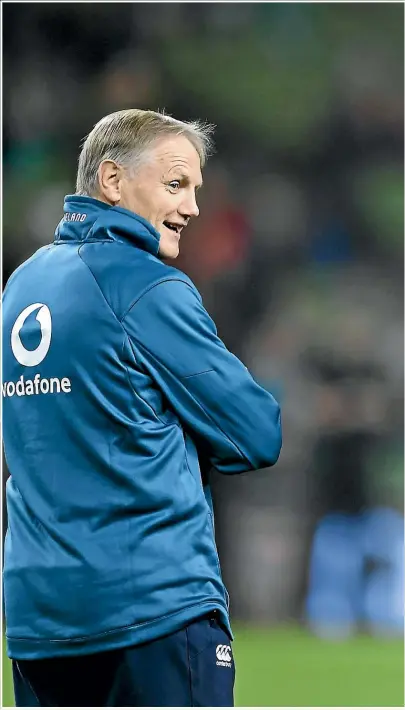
(163, 188)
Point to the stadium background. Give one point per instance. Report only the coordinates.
(298, 255)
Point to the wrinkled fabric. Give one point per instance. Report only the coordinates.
(110, 540)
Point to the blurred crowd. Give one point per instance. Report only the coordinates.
(298, 251)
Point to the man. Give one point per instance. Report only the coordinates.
(116, 387)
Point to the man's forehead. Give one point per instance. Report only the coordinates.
(177, 149)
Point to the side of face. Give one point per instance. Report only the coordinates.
(162, 190)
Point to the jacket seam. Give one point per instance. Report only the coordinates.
(109, 307)
(98, 286)
(82, 242)
(103, 634)
(135, 301)
(120, 321)
(138, 395)
(228, 438)
(195, 374)
(143, 400)
(125, 333)
(132, 388)
(187, 461)
(149, 288)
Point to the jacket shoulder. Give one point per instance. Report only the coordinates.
(124, 273)
(26, 265)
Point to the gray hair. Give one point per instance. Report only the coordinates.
(125, 136)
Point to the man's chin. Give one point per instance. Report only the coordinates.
(169, 252)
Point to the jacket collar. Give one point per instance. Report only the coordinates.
(86, 219)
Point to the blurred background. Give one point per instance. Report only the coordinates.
(298, 254)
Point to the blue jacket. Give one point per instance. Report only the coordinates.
(115, 388)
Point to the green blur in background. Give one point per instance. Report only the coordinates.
(308, 99)
(289, 667)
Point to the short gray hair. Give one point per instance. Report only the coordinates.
(125, 136)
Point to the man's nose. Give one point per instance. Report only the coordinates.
(189, 207)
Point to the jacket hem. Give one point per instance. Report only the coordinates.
(31, 649)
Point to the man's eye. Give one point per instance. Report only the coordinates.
(174, 184)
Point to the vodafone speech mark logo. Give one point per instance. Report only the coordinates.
(30, 358)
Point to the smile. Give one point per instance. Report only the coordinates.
(174, 227)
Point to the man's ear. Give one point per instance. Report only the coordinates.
(109, 175)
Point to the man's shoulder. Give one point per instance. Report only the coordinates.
(21, 270)
(124, 274)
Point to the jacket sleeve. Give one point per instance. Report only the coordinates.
(218, 402)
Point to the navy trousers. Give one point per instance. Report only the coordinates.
(191, 667)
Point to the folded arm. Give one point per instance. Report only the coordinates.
(217, 400)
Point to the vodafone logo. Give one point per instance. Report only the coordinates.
(30, 358)
(38, 385)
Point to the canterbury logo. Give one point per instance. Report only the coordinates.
(224, 657)
(30, 358)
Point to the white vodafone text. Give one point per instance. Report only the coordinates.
(38, 385)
